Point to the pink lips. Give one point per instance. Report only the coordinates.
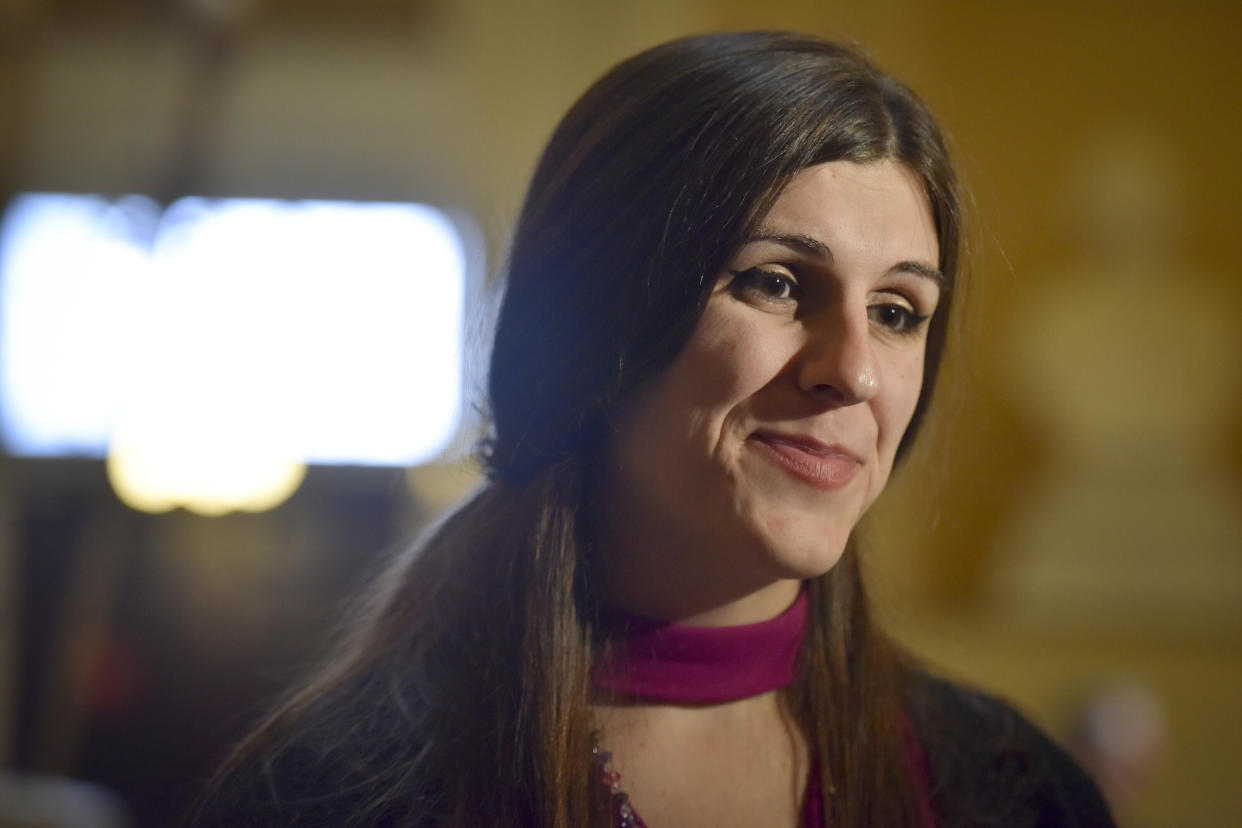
(805, 458)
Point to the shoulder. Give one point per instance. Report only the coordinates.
(354, 765)
(988, 765)
(288, 787)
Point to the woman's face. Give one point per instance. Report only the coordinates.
(752, 457)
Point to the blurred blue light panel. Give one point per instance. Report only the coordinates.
(338, 325)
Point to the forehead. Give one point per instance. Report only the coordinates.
(879, 206)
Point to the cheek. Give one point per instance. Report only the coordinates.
(683, 420)
(901, 401)
(730, 357)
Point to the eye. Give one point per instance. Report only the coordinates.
(770, 286)
(896, 317)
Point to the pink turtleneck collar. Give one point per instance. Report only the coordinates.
(662, 662)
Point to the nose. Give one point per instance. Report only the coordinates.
(837, 363)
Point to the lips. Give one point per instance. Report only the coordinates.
(808, 460)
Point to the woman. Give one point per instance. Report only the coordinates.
(725, 309)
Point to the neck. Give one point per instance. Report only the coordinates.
(702, 606)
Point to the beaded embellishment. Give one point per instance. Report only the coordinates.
(623, 813)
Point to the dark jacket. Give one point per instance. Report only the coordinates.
(987, 766)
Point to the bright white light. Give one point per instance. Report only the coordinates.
(318, 332)
(68, 267)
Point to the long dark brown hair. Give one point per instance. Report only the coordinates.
(461, 697)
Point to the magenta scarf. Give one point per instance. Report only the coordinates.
(668, 663)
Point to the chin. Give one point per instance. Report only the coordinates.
(802, 533)
(804, 540)
(809, 553)
(803, 565)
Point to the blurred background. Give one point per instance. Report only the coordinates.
(1069, 536)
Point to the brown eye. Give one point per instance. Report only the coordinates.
(896, 318)
(765, 285)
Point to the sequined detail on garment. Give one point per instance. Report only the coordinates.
(623, 813)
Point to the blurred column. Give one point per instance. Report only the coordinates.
(9, 617)
(79, 639)
(217, 26)
(20, 23)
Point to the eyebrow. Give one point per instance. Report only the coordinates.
(815, 247)
(920, 269)
(799, 241)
